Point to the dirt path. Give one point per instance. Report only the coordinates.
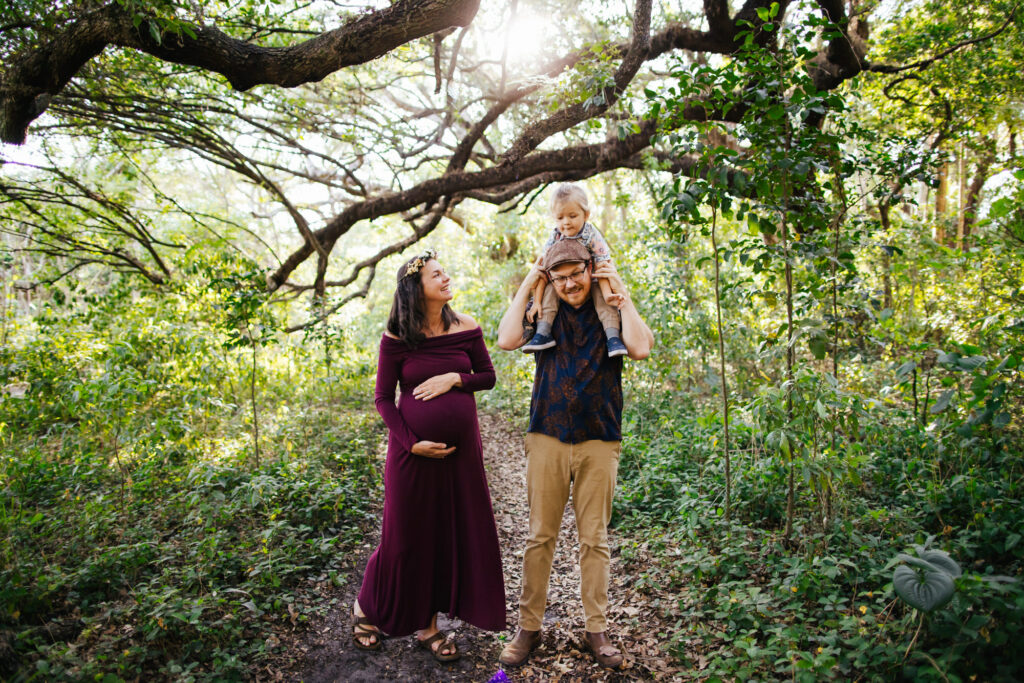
(322, 652)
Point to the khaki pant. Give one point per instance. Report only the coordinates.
(552, 467)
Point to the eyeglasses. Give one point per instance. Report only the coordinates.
(563, 280)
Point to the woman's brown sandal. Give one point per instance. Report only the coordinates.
(447, 643)
(363, 629)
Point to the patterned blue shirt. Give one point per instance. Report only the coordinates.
(577, 390)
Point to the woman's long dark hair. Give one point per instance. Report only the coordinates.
(408, 311)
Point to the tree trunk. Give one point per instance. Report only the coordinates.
(973, 198)
(255, 415)
(962, 182)
(791, 488)
(252, 399)
(883, 214)
(721, 364)
(3, 315)
(608, 208)
(941, 194)
(836, 330)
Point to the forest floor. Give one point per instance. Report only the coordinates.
(322, 651)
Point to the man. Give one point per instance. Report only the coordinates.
(573, 440)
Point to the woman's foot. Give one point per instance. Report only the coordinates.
(442, 646)
(365, 635)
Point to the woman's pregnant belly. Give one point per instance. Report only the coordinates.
(449, 418)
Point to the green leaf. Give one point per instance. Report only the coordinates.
(925, 589)
(1000, 207)
(1009, 363)
(943, 402)
(785, 446)
(1011, 541)
(818, 345)
(686, 203)
(905, 369)
(942, 560)
(972, 362)
(821, 410)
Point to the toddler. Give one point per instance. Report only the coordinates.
(570, 210)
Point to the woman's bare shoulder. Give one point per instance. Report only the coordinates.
(466, 322)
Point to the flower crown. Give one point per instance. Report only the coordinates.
(417, 263)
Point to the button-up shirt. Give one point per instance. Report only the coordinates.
(577, 389)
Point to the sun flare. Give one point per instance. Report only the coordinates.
(525, 36)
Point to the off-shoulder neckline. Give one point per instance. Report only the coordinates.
(433, 339)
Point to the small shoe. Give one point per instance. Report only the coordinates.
(363, 629)
(518, 650)
(616, 347)
(447, 643)
(539, 342)
(605, 653)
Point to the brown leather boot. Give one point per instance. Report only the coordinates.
(605, 653)
(518, 650)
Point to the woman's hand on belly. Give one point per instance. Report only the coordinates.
(437, 386)
(431, 449)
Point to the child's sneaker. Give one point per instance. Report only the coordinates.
(616, 347)
(540, 342)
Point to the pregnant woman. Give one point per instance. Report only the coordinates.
(438, 550)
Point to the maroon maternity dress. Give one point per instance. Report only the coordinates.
(438, 550)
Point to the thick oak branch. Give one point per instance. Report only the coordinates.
(35, 75)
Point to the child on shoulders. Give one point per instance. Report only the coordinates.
(570, 210)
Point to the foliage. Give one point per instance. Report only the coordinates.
(138, 540)
(751, 606)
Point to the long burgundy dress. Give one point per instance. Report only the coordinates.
(438, 549)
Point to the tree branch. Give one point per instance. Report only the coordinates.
(921, 64)
(352, 296)
(35, 75)
(844, 55)
(581, 111)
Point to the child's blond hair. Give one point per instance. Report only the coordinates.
(569, 192)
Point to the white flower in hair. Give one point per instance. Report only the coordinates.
(419, 261)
